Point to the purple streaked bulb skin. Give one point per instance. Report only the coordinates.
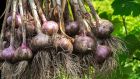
(8, 53)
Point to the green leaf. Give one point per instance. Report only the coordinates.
(126, 7)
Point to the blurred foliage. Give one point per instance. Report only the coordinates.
(126, 7)
(114, 10)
